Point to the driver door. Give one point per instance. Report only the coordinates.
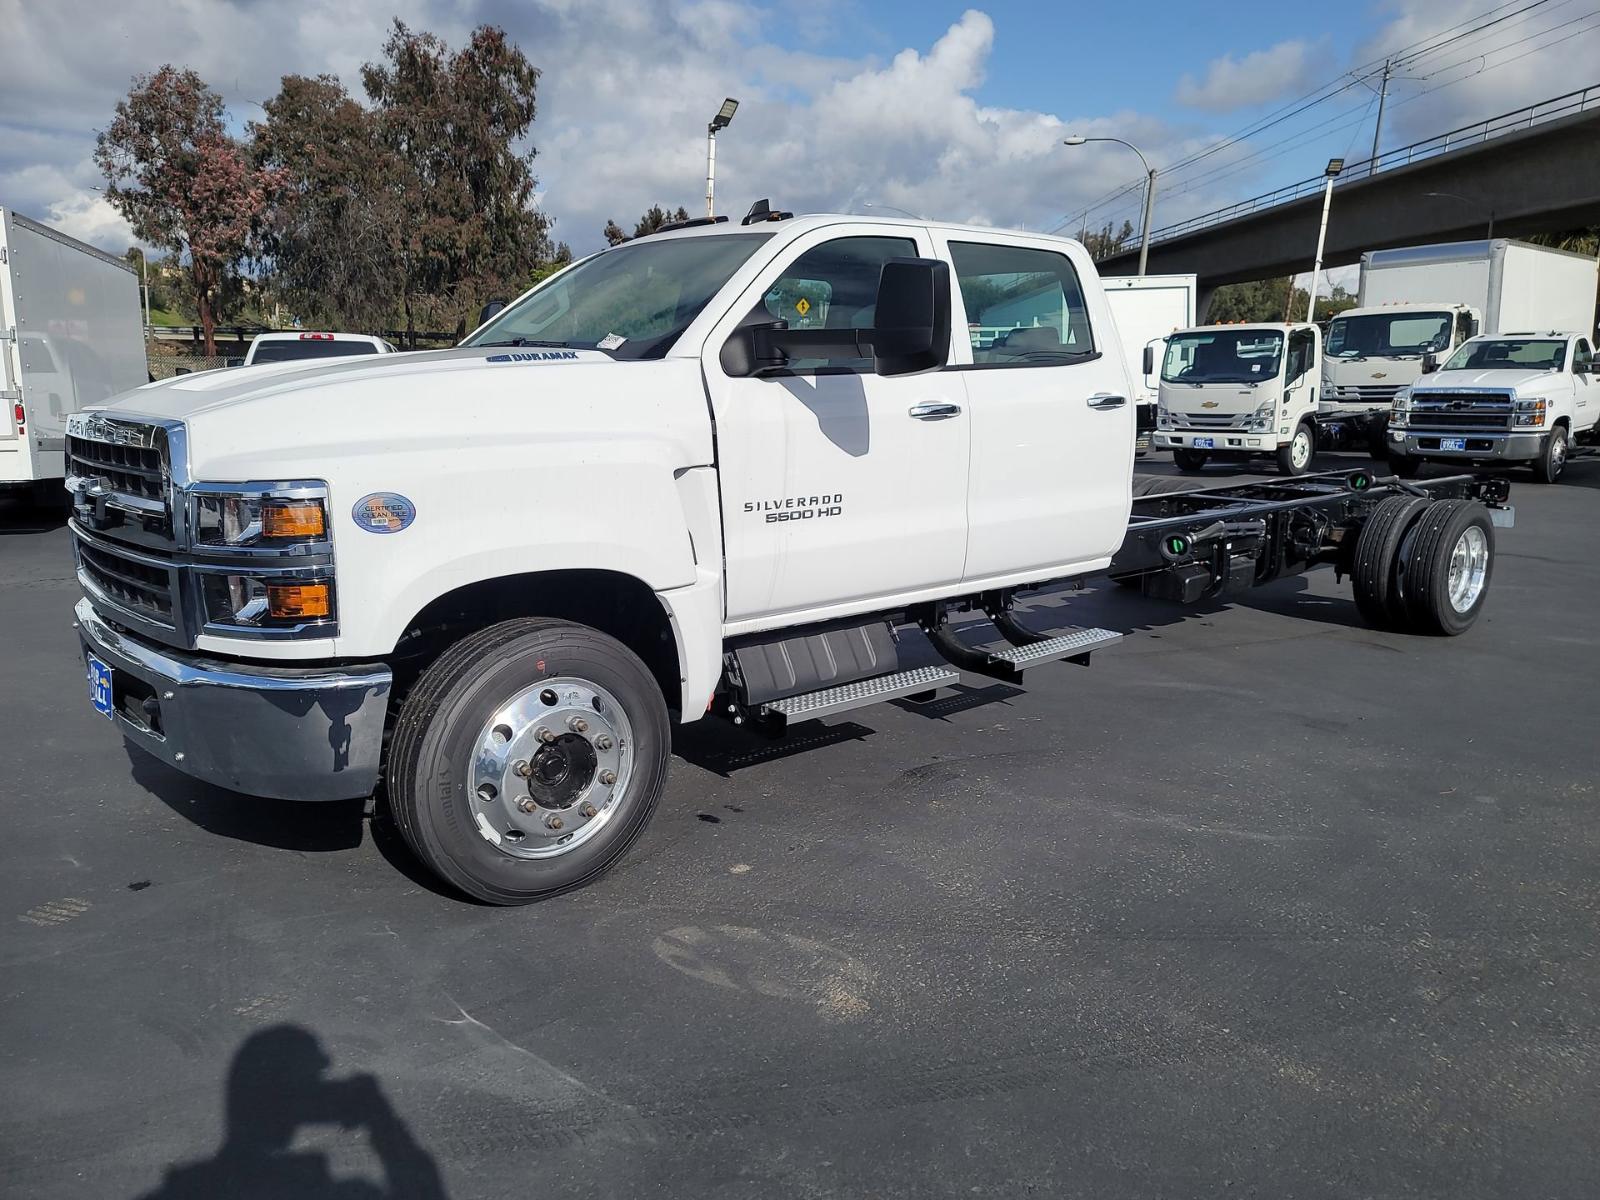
(842, 491)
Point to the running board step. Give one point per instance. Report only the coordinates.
(1008, 664)
(811, 705)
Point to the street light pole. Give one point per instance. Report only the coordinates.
(1149, 192)
(718, 123)
(1335, 165)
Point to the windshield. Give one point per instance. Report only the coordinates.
(1223, 356)
(1388, 335)
(285, 351)
(632, 301)
(1509, 354)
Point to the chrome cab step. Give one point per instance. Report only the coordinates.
(811, 705)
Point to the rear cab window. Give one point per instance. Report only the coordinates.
(289, 351)
(1025, 305)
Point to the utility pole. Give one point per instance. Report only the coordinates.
(1377, 128)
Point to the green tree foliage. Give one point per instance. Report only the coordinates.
(1102, 243)
(182, 182)
(335, 235)
(654, 218)
(453, 119)
(1270, 300)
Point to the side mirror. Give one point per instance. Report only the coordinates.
(1430, 363)
(1149, 361)
(911, 331)
(234, 362)
(1582, 368)
(490, 310)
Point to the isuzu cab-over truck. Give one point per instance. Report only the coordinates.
(751, 470)
(1233, 392)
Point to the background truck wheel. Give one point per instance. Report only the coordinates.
(1552, 459)
(1373, 576)
(527, 759)
(1190, 460)
(1295, 457)
(1447, 567)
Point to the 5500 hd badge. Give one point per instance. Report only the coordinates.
(797, 508)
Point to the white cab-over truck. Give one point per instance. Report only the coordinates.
(750, 470)
(1422, 301)
(1503, 399)
(1232, 392)
(71, 334)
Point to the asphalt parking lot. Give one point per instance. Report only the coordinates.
(1262, 903)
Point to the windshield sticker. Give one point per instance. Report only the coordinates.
(532, 356)
(610, 342)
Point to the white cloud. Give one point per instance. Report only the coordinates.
(1233, 83)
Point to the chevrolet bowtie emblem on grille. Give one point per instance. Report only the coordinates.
(1380, 375)
(1210, 403)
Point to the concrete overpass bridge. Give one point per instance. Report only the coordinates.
(1536, 170)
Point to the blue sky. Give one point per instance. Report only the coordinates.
(949, 110)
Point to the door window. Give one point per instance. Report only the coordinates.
(1465, 327)
(1024, 306)
(1581, 352)
(834, 286)
(1299, 354)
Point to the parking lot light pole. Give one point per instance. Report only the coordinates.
(1077, 139)
(718, 123)
(1331, 172)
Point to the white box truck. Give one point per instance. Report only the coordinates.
(1146, 309)
(71, 334)
(1418, 301)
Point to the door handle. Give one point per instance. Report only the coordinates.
(1105, 400)
(934, 410)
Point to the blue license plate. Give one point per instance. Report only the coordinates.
(100, 686)
(1204, 443)
(1452, 443)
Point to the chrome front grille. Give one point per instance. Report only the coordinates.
(129, 470)
(1211, 420)
(1461, 410)
(1362, 393)
(138, 584)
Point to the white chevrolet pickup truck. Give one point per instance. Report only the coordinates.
(1501, 399)
(745, 469)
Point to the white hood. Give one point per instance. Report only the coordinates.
(1522, 379)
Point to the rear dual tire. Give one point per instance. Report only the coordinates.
(1424, 567)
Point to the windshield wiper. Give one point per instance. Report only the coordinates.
(519, 341)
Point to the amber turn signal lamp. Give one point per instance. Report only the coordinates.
(292, 519)
(302, 600)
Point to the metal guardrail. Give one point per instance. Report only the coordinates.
(1456, 139)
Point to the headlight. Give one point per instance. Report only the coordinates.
(1529, 413)
(276, 602)
(261, 516)
(1262, 417)
(1400, 407)
(1163, 416)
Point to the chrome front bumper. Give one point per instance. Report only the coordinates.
(290, 733)
(1481, 444)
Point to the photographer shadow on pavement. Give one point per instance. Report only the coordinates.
(278, 1085)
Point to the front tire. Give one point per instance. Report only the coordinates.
(1295, 457)
(1190, 460)
(527, 759)
(1552, 459)
(1404, 465)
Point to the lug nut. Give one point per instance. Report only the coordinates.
(578, 725)
(522, 767)
(602, 742)
(554, 822)
(588, 810)
(526, 805)
(545, 736)
(608, 777)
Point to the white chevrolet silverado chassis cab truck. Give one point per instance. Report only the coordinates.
(724, 468)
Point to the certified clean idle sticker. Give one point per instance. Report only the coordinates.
(384, 512)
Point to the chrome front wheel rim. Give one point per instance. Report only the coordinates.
(551, 768)
(1469, 568)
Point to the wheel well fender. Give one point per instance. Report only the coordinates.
(615, 603)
